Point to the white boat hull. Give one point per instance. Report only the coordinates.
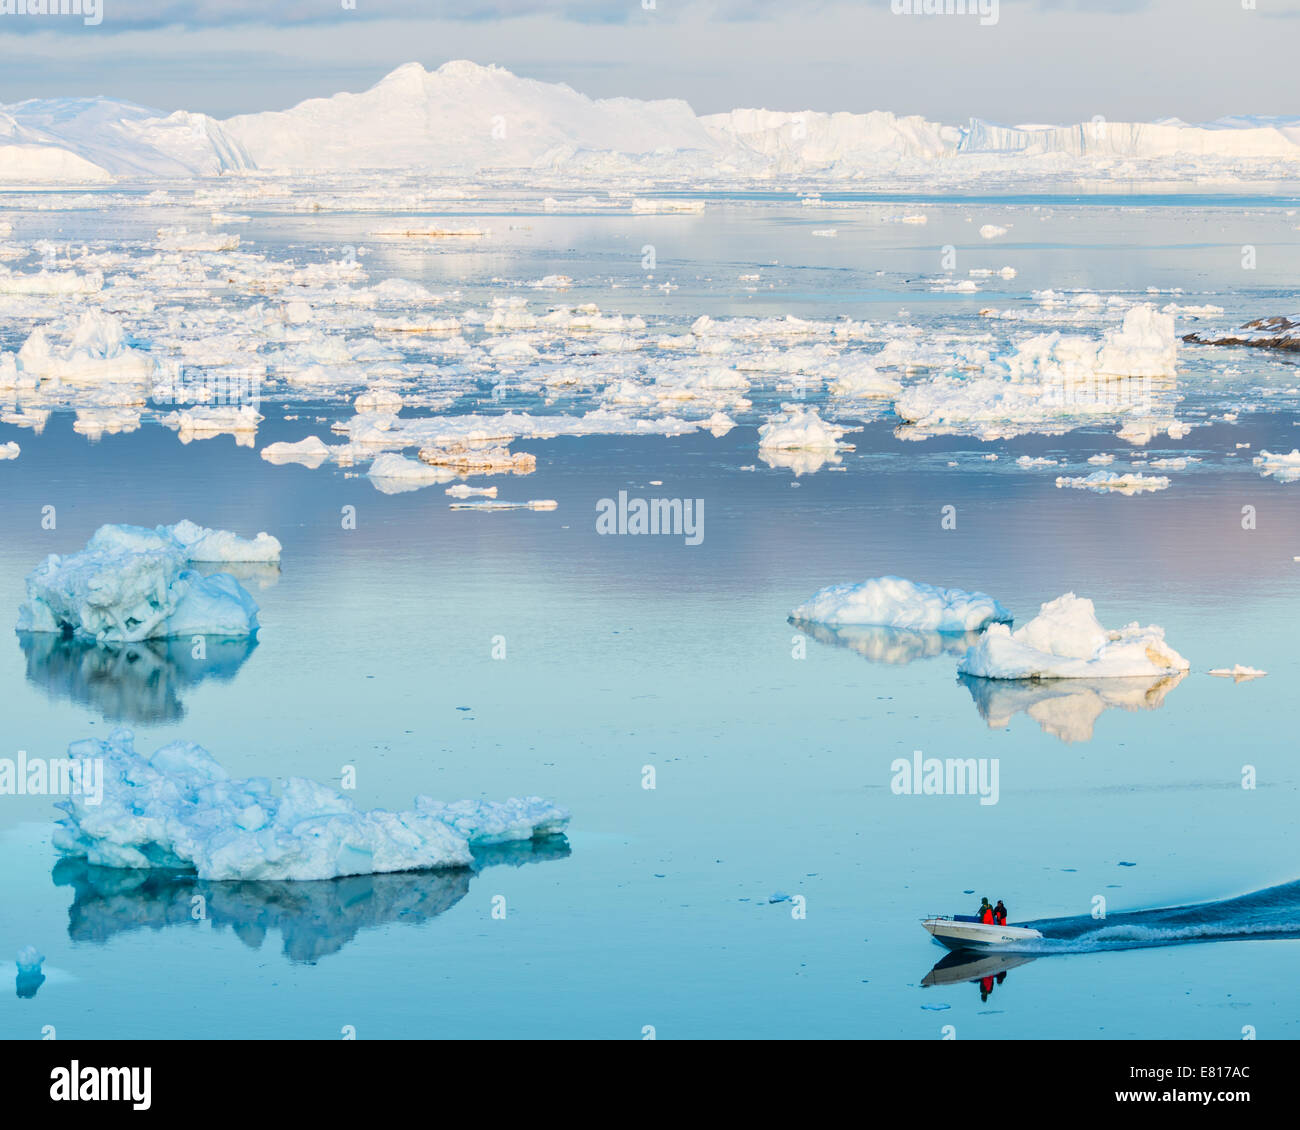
(977, 936)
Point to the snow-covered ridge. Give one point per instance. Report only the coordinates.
(463, 118)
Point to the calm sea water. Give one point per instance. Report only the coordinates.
(772, 771)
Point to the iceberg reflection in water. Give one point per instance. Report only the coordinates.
(315, 918)
(130, 682)
(1065, 708)
(896, 646)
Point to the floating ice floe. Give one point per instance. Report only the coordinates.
(799, 429)
(1107, 482)
(9, 451)
(1284, 468)
(491, 504)
(1238, 672)
(892, 602)
(97, 352)
(180, 239)
(132, 583)
(51, 283)
(1051, 380)
(396, 474)
(466, 459)
(992, 231)
(436, 231)
(179, 809)
(461, 490)
(1067, 641)
(238, 420)
(205, 545)
(310, 452)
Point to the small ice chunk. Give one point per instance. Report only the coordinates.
(1238, 672)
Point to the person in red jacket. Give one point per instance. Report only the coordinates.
(1000, 914)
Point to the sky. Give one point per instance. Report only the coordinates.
(1036, 61)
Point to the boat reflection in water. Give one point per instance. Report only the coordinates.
(314, 918)
(1067, 709)
(136, 682)
(985, 969)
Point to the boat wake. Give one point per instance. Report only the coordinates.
(1270, 913)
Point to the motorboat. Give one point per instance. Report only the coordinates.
(966, 932)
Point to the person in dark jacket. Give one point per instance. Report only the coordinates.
(1000, 914)
(985, 913)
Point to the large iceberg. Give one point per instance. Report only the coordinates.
(892, 602)
(179, 809)
(132, 583)
(1066, 641)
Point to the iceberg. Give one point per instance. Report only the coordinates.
(1066, 641)
(892, 602)
(96, 353)
(798, 429)
(132, 583)
(179, 809)
(30, 975)
(1283, 467)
